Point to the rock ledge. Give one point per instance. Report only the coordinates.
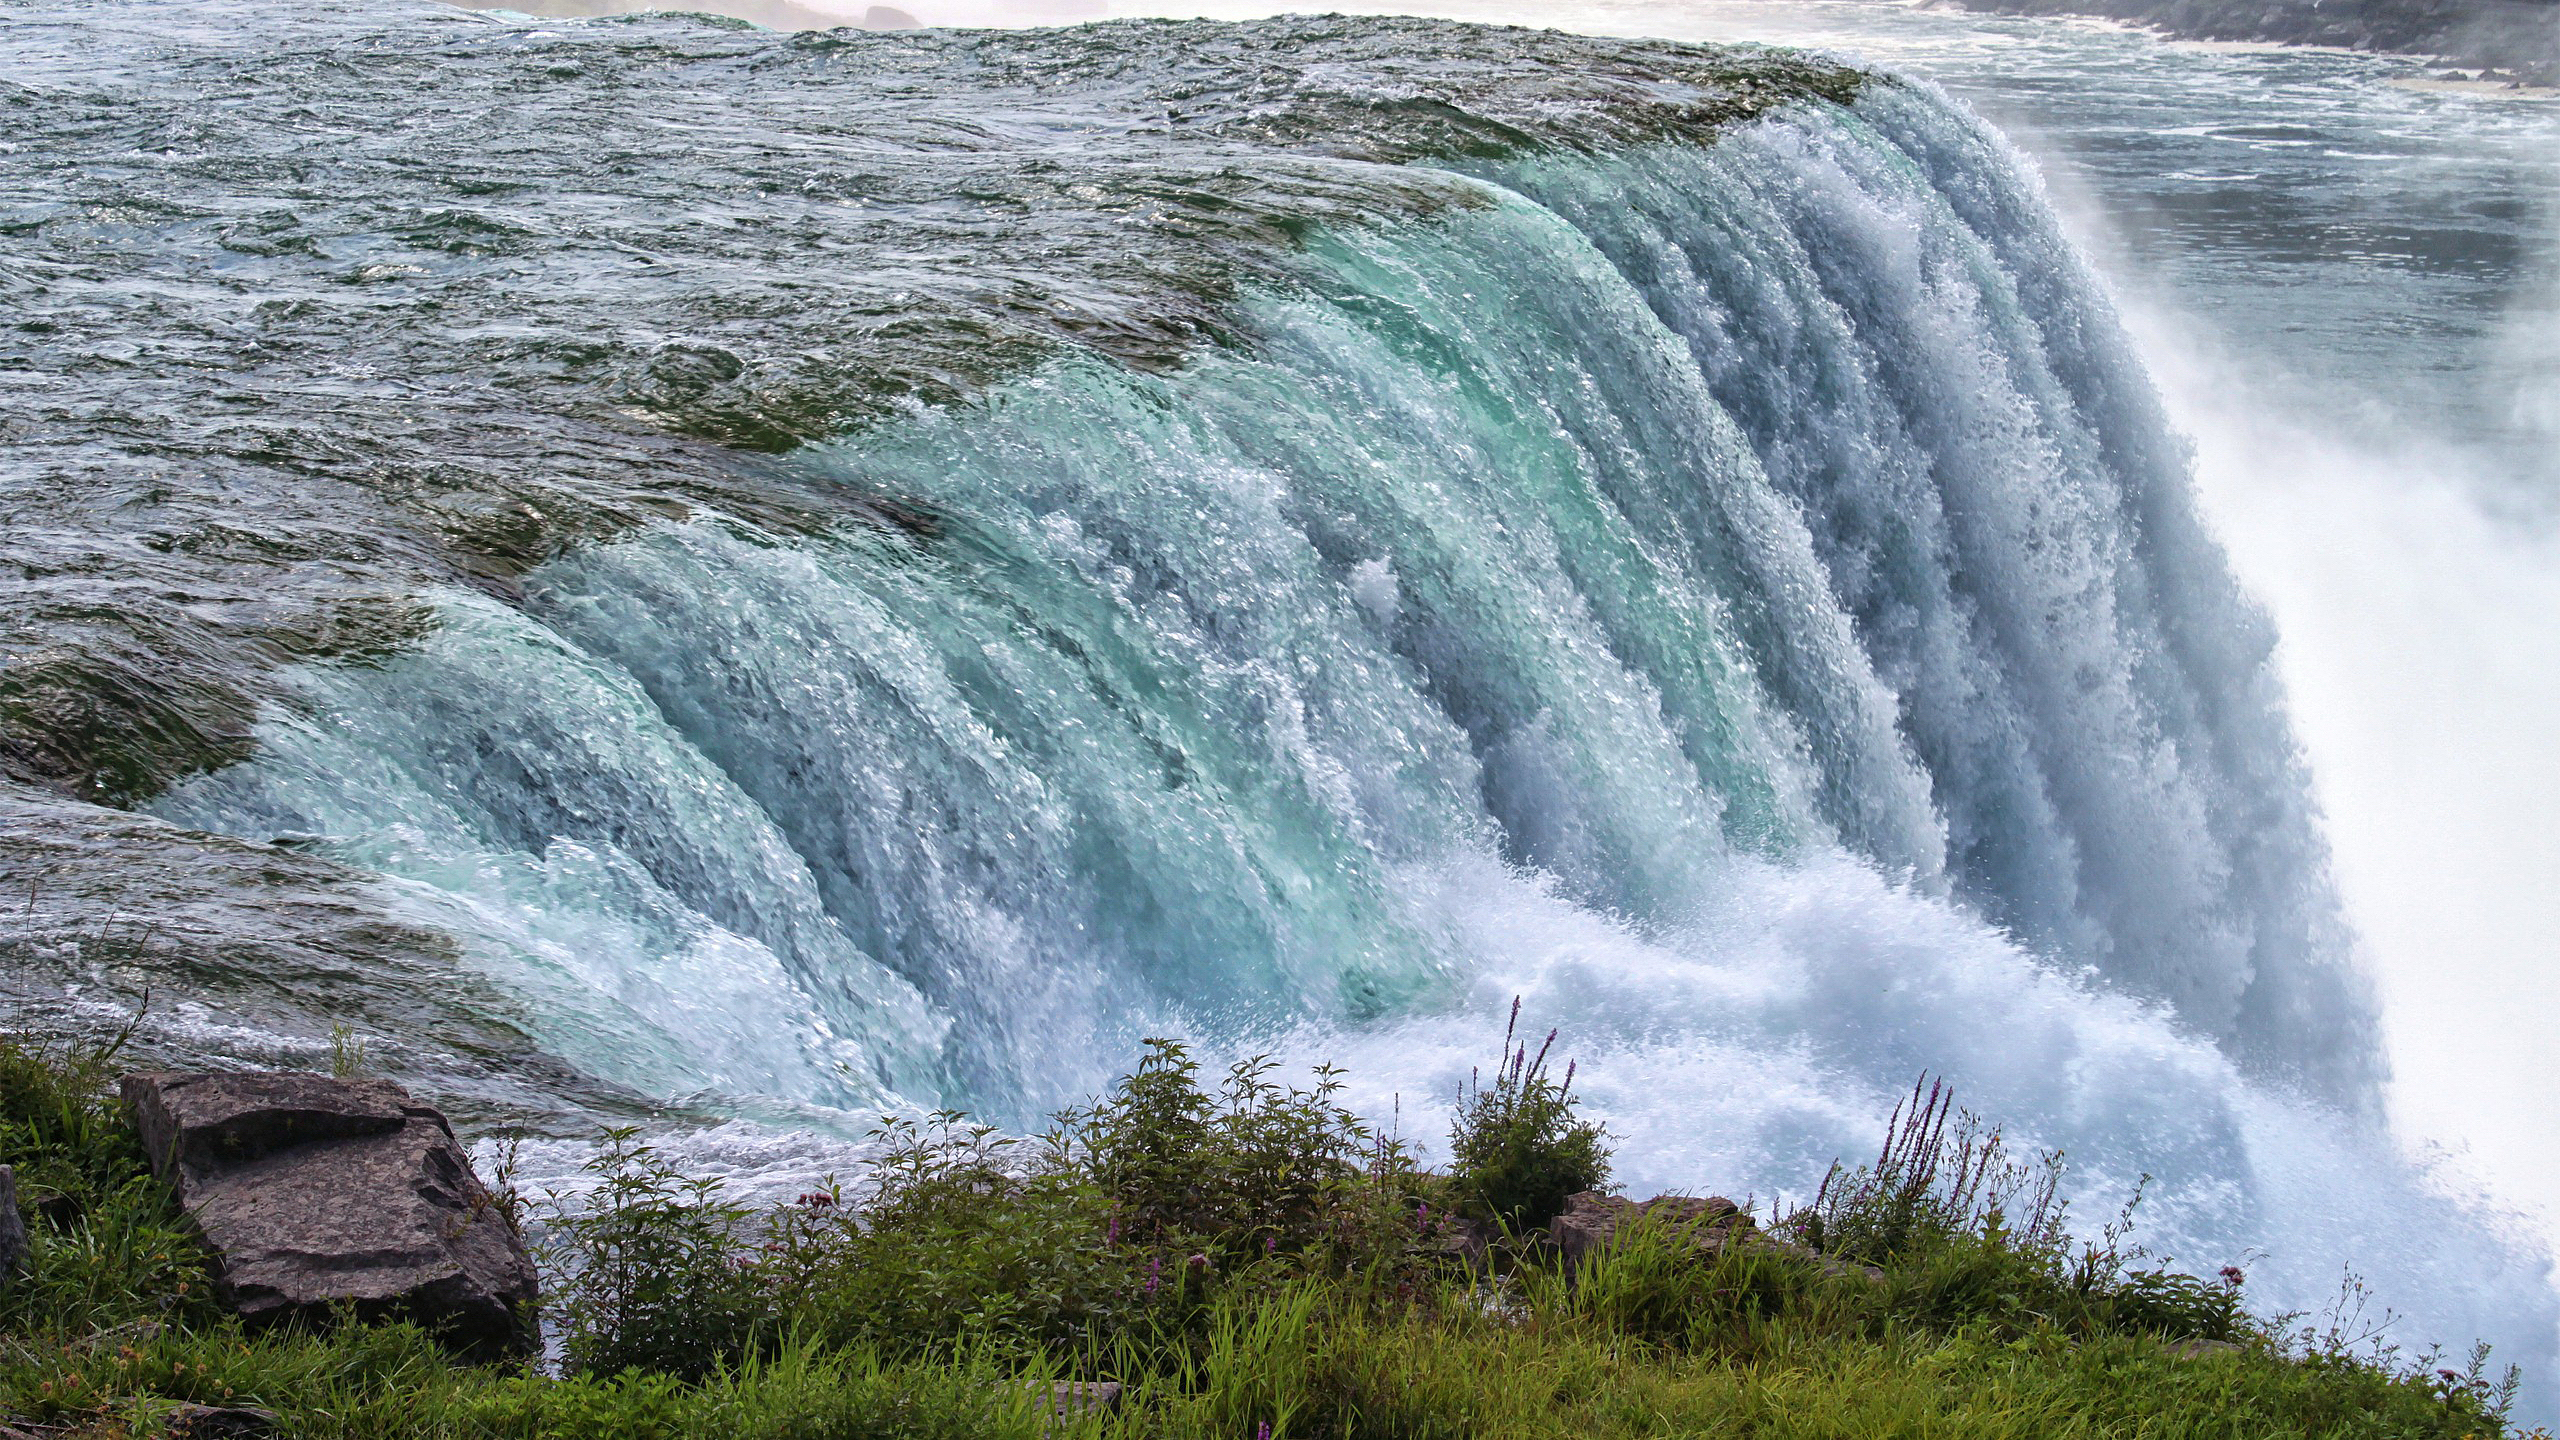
(315, 1193)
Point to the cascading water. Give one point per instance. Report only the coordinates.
(1739, 594)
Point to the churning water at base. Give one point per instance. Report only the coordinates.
(1743, 599)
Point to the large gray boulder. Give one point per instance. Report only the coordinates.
(315, 1194)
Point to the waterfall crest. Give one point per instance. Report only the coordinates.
(1744, 597)
(1791, 494)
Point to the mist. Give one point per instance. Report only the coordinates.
(2419, 606)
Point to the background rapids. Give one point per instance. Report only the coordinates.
(793, 576)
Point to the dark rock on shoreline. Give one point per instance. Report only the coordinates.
(13, 1229)
(315, 1193)
(1070, 1399)
(1591, 1223)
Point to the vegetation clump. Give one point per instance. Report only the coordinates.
(1517, 1149)
(1245, 1258)
(1966, 1233)
(1122, 1224)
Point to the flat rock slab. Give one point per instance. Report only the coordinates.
(1592, 1221)
(316, 1193)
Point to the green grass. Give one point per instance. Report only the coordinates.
(1240, 1257)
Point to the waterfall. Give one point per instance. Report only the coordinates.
(1744, 598)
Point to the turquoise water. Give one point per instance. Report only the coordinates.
(1481, 516)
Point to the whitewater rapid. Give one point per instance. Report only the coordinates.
(1743, 599)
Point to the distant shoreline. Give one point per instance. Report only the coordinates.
(2514, 42)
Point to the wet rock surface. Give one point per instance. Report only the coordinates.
(316, 1193)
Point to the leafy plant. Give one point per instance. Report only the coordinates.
(970, 1236)
(1517, 1149)
(347, 1052)
(647, 1271)
(1967, 1236)
(1258, 1172)
(1941, 1173)
(1657, 1283)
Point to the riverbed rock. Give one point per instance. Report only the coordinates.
(1468, 1242)
(1592, 1221)
(1069, 1399)
(13, 1229)
(316, 1193)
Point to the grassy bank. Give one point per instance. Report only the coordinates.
(1248, 1261)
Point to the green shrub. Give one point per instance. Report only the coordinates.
(1656, 1283)
(1126, 1218)
(58, 1127)
(1971, 1239)
(647, 1270)
(968, 1236)
(1516, 1149)
(1258, 1172)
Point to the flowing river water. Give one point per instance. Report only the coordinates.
(646, 567)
